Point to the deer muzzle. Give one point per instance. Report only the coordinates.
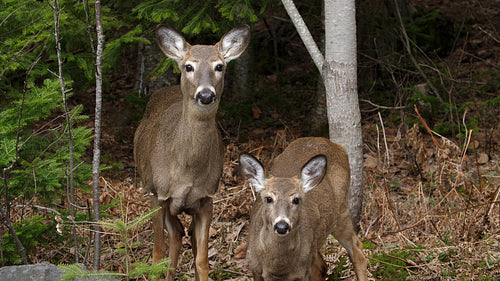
(282, 227)
(205, 96)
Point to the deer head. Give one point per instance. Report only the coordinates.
(203, 66)
(282, 197)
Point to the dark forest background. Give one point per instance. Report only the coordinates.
(429, 86)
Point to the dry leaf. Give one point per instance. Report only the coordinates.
(241, 251)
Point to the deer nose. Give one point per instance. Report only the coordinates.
(205, 96)
(282, 228)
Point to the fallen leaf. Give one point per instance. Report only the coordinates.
(371, 162)
(483, 158)
(241, 251)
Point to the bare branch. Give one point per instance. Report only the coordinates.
(304, 34)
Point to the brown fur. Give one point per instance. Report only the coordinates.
(178, 149)
(322, 211)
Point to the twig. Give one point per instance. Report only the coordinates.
(385, 140)
(427, 128)
(384, 107)
(38, 207)
(489, 34)
(406, 42)
(490, 209)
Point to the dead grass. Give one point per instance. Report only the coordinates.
(431, 212)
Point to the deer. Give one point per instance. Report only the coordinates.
(178, 149)
(303, 199)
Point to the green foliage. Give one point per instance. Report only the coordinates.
(337, 271)
(391, 266)
(113, 48)
(42, 153)
(124, 230)
(34, 233)
(73, 271)
(215, 16)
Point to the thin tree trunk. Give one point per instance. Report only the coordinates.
(340, 77)
(70, 172)
(97, 137)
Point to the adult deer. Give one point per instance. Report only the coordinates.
(177, 147)
(302, 201)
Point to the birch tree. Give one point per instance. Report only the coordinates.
(338, 69)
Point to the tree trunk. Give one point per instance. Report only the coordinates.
(97, 138)
(340, 78)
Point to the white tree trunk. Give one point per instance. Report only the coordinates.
(340, 78)
(339, 72)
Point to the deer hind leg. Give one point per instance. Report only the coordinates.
(347, 237)
(200, 227)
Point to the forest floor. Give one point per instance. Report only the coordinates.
(431, 208)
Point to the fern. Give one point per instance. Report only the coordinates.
(73, 271)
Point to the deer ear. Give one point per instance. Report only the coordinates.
(313, 172)
(253, 170)
(234, 43)
(171, 43)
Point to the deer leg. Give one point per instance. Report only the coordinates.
(199, 239)
(348, 238)
(175, 232)
(159, 242)
(319, 268)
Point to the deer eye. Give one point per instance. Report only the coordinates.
(296, 200)
(219, 67)
(188, 68)
(268, 199)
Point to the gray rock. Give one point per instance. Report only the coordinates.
(41, 272)
(35, 272)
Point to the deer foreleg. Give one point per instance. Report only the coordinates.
(199, 238)
(355, 250)
(159, 242)
(175, 232)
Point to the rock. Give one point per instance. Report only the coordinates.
(36, 272)
(41, 272)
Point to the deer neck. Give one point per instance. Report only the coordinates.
(280, 249)
(197, 130)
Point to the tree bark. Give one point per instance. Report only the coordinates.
(97, 137)
(340, 77)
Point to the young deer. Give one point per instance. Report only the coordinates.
(303, 200)
(177, 147)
